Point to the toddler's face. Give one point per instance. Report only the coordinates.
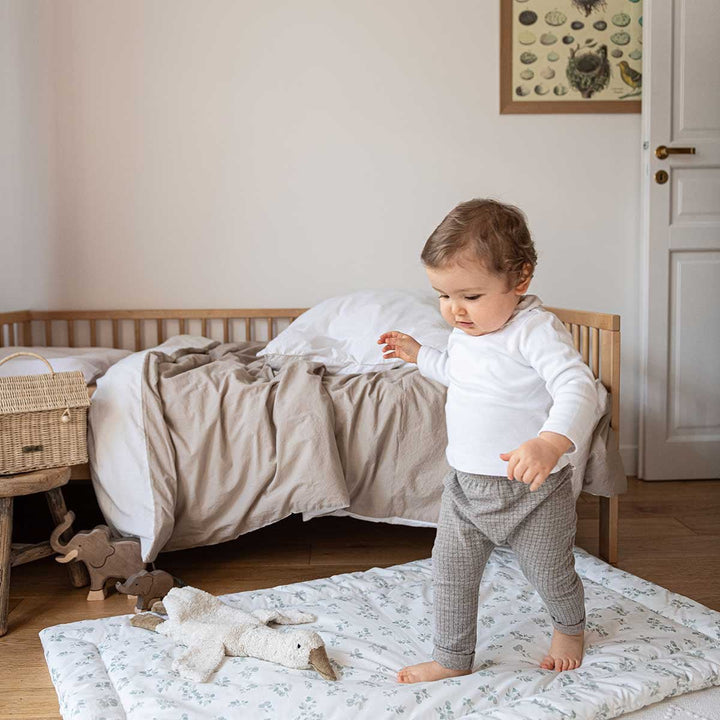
(472, 298)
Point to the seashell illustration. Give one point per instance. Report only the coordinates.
(620, 38)
(636, 54)
(616, 53)
(527, 74)
(528, 58)
(521, 1)
(527, 17)
(640, 20)
(541, 90)
(548, 73)
(567, 39)
(577, 25)
(522, 90)
(548, 39)
(553, 56)
(621, 19)
(555, 18)
(600, 25)
(526, 38)
(560, 90)
(634, 1)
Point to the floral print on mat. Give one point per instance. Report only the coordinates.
(644, 644)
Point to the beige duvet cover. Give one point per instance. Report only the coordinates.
(233, 445)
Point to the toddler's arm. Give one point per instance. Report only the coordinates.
(547, 347)
(432, 363)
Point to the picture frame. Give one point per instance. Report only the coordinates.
(570, 56)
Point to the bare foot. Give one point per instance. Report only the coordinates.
(427, 672)
(566, 652)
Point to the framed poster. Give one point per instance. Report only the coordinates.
(570, 56)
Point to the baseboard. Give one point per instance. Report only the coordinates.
(629, 455)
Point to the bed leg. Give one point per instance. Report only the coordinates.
(609, 529)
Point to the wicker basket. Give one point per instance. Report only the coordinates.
(43, 420)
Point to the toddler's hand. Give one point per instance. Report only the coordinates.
(534, 460)
(399, 345)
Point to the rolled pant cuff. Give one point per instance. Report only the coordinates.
(453, 660)
(576, 629)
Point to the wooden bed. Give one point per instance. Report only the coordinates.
(596, 336)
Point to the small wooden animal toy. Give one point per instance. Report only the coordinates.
(106, 558)
(211, 629)
(148, 586)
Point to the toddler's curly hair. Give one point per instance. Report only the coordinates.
(496, 233)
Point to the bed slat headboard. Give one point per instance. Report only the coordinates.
(596, 336)
(15, 328)
(139, 329)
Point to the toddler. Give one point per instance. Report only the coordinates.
(519, 399)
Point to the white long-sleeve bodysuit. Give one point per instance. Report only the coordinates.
(508, 386)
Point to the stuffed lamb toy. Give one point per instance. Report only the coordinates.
(211, 629)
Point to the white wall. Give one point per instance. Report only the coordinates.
(27, 153)
(232, 153)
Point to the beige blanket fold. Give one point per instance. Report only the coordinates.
(390, 429)
(235, 446)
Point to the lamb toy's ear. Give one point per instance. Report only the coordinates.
(295, 617)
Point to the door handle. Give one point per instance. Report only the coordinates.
(661, 151)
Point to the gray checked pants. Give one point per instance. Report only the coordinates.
(479, 512)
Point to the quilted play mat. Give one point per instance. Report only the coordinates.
(644, 644)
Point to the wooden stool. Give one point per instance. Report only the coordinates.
(11, 554)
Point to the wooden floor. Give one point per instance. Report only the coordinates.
(669, 534)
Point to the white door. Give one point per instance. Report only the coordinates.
(680, 414)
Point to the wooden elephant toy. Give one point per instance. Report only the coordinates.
(106, 557)
(149, 587)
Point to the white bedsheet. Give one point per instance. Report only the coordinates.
(118, 462)
(93, 362)
(644, 644)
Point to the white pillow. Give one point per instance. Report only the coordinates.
(342, 332)
(93, 362)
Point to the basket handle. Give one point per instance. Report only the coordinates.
(32, 354)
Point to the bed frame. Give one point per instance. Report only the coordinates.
(595, 335)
